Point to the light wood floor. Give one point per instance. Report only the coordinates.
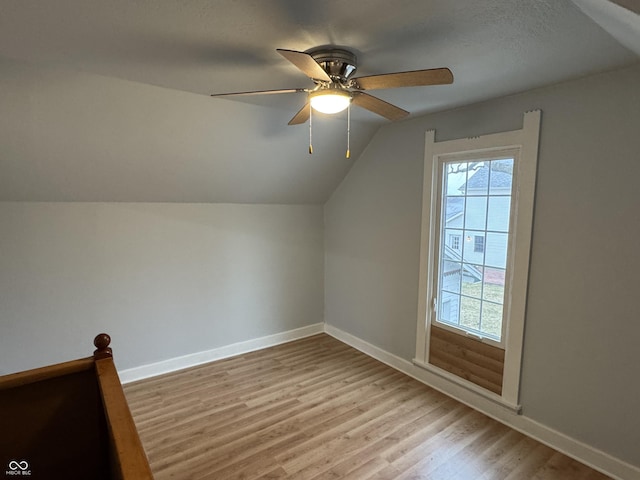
(319, 409)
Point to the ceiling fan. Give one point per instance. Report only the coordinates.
(332, 68)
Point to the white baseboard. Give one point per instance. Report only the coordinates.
(191, 360)
(596, 459)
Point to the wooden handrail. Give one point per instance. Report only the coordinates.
(45, 373)
(128, 458)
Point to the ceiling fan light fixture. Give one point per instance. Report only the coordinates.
(330, 100)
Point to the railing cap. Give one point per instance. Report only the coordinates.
(101, 343)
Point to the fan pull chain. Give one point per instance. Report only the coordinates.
(310, 130)
(348, 131)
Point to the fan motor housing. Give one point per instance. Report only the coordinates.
(339, 63)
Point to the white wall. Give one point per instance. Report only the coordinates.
(580, 372)
(164, 280)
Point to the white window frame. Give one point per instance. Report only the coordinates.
(525, 142)
(439, 169)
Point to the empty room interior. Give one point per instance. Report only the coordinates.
(436, 281)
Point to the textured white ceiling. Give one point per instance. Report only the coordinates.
(108, 101)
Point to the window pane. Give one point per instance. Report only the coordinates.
(471, 273)
(471, 284)
(478, 178)
(449, 308)
(469, 253)
(496, 247)
(451, 276)
(493, 285)
(501, 176)
(498, 217)
(491, 319)
(470, 313)
(456, 178)
(476, 213)
(454, 212)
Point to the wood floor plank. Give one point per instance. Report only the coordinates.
(399, 436)
(317, 409)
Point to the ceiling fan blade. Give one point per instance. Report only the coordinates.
(416, 78)
(261, 92)
(306, 64)
(302, 116)
(375, 105)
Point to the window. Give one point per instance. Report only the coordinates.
(474, 261)
(454, 241)
(478, 244)
(476, 194)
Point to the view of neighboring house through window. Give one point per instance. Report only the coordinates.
(474, 232)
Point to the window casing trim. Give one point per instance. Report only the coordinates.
(526, 141)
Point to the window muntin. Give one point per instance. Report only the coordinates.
(475, 202)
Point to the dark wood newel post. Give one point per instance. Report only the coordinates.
(102, 342)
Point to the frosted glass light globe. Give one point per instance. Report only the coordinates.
(330, 101)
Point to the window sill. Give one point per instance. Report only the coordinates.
(472, 387)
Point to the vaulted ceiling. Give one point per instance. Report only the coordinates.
(109, 100)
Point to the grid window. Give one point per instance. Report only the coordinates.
(471, 280)
(454, 242)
